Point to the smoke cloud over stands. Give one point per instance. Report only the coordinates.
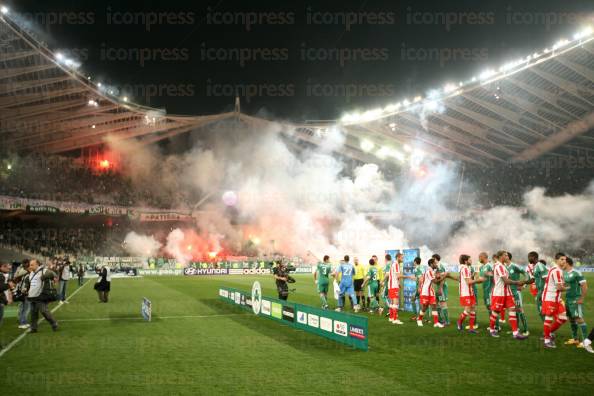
(544, 224)
(141, 245)
(294, 203)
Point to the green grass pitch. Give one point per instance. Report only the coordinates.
(197, 344)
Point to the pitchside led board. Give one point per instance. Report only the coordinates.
(409, 286)
(337, 326)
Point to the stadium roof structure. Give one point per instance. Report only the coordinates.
(543, 103)
(540, 104)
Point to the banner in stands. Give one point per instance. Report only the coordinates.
(409, 286)
(42, 209)
(45, 206)
(341, 327)
(9, 203)
(164, 216)
(54, 207)
(106, 210)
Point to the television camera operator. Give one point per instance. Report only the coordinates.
(282, 278)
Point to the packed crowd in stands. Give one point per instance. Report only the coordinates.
(67, 179)
(56, 241)
(56, 178)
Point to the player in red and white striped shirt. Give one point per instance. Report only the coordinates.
(394, 275)
(502, 315)
(427, 294)
(467, 297)
(553, 308)
(501, 296)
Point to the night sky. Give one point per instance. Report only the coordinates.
(306, 60)
(300, 60)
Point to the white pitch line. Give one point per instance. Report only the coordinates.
(154, 317)
(20, 337)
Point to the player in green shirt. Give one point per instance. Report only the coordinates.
(486, 275)
(418, 273)
(372, 283)
(539, 277)
(574, 298)
(322, 280)
(474, 285)
(515, 273)
(442, 290)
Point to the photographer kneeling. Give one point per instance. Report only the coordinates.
(41, 293)
(282, 277)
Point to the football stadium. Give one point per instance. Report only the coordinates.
(354, 198)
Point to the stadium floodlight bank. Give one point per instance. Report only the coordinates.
(341, 327)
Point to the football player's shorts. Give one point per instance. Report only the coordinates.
(372, 289)
(518, 299)
(553, 308)
(468, 301)
(393, 293)
(443, 297)
(323, 287)
(499, 303)
(346, 289)
(574, 310)
(358, 284)
(428, 300)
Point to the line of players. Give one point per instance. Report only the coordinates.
(501, 282)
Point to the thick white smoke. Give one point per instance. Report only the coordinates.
(141, 245)
(175, 246)
(296, 203)
(544, 224)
